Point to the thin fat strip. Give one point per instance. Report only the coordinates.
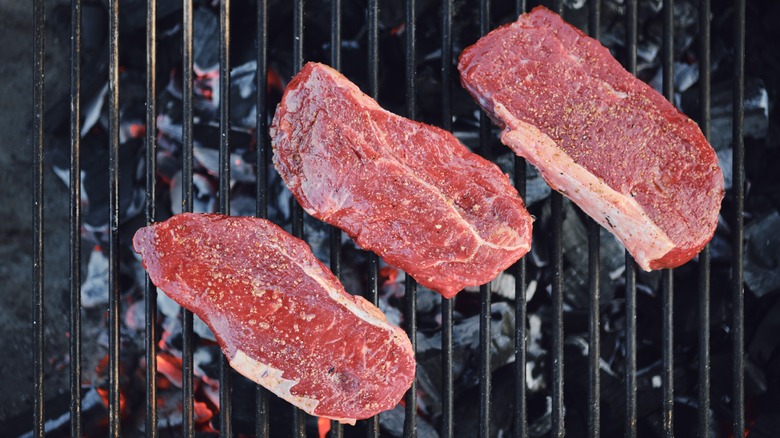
(282, 319)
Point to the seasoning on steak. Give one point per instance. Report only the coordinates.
(408, 191)
(600, 136)
(282, 318)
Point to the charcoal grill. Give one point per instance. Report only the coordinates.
(448, 422)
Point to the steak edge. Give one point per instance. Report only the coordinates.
(408, 191)
(599, 135)
(280, 316)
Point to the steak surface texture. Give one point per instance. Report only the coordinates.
(280, 316)
(408, 191)
(599, 135)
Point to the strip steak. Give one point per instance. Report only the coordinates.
(599, 135)
(281, 317)
(406, 190)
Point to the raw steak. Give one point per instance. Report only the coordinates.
(599, 135)
(282, 318)
(408, 191)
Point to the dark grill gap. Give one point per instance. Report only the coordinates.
(410, 427)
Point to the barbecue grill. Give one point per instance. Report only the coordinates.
(447, 423)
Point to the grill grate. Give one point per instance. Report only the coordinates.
(519, 270)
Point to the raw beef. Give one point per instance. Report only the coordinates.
(282, 319)
(599, 135)
(408, 191)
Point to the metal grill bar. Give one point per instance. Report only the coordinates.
(667, 275)
(113, 222)
(484, 290)
(373, 48)
(447, 389)
(37, 216)
(372, 294)
(738, 232)
(594, 286)
(187, 204)
(410, 285)
(557, 315)
(297, 211)
(556, 201)
(262, 395)
(225, 384)
(262, 109)
(335, 34)
(75, 219)
(336, 428)
(630, 331)
(299, 426)
(705, 76)
(150, 292)
(521, 415)
(667, 380)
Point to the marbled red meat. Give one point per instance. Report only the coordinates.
(600, 136)
(408, 191)
(281, 317)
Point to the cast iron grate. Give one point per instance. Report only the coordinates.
(446, 428)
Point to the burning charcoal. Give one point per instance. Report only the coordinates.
(765, 344)
(576, 391)
(762, 255)
(205, 43)
(541, 426)
(317, 235)
(392, 423)
(205, 361)
(575, 251)
(535, 188)
(135, 316)
(720, 245)
(240, 170)
(167, 306)
(504, 285)
(170, 366)
(536, 356)
(353, 269)
(428, 301)
(685, 75)
(94, 417)
(93, 109)
(726, 163)
(502, 402)
(201, 329)
(465, 352)
(392, 313)
(756, 124)
(204, 195)
(172, 309)
(574, 4)
(94, 290)
(170, 413)
(767, 424)
(243, 96)
(242, 205)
